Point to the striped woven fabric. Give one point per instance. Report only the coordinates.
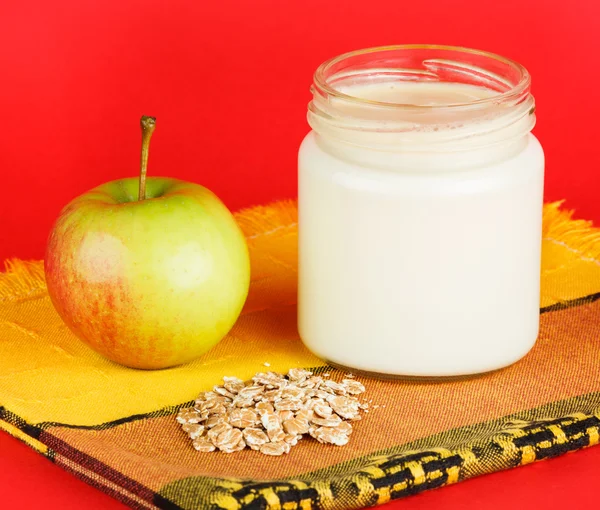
(115, 427)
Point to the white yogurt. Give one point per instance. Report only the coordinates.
(420, 236)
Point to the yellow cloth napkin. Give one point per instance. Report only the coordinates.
(115, 427)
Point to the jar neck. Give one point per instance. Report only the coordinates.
(467, 159)
(418, 101)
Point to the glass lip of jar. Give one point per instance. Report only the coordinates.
(321, 85)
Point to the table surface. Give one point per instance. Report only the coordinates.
(229, 82)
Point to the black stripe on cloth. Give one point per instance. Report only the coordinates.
(585, 300)
(171, 410)
(93, 465)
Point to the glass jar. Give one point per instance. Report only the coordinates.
(420, 212)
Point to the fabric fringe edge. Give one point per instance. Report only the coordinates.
(22, 278)
(578, 235)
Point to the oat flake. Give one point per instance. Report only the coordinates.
(273, 412)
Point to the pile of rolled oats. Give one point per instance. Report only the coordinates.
(273, 412)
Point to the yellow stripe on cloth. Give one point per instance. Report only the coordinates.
(48, 375)
(27, 439)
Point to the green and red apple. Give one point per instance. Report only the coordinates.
(151, 273)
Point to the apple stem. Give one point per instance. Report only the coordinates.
(148, 124)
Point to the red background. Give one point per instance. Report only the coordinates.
(228, 82)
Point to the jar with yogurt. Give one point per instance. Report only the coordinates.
(420, 211)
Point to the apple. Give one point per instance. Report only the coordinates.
(151, 273)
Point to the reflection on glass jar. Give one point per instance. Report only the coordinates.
(420, 204)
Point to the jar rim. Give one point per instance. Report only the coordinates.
(516, 90)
